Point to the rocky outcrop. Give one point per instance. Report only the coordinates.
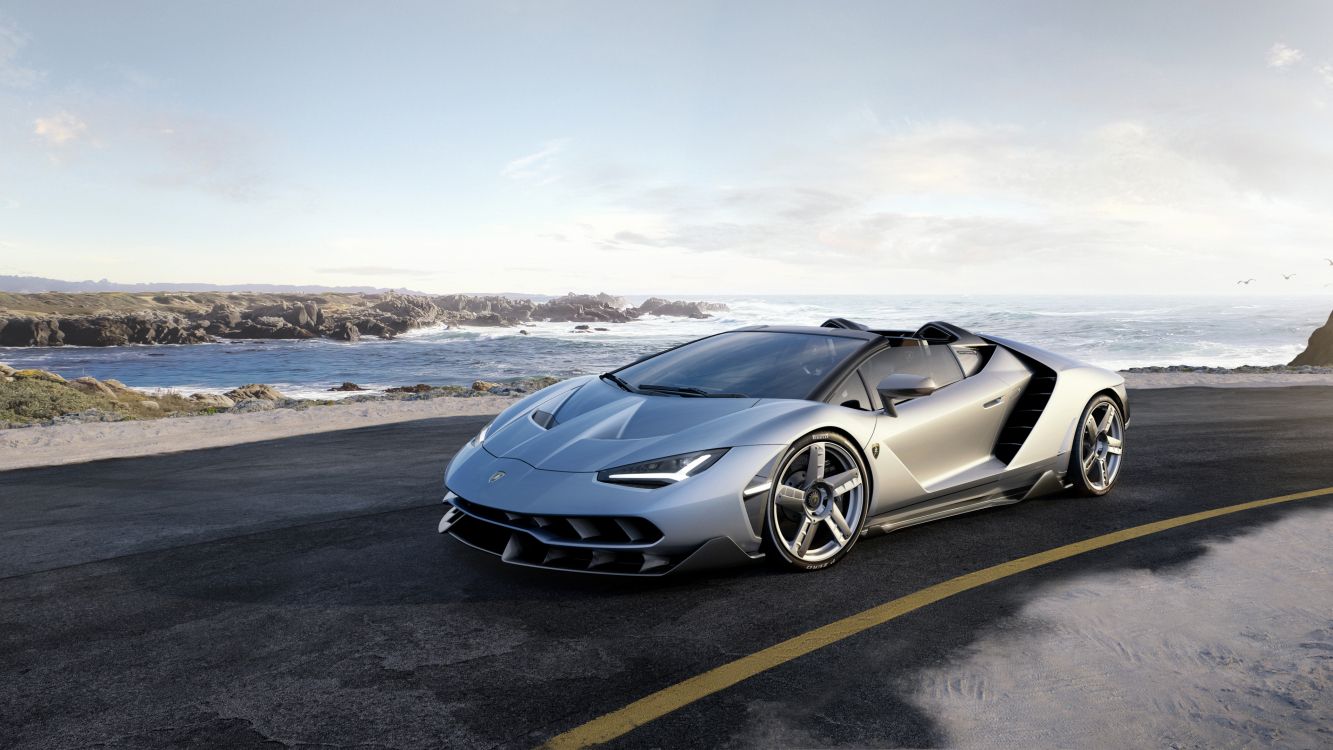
(1319, 349)
(678, 308)
(212, 400)
(118, 319)
(580, 308)
(38, 375)
(137, 328)
(418, 388)
(93, 386)
(345, 331)
(254, 391)
(31, 332)
(347, 386)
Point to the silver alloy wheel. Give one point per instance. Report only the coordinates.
(819, 489)
(1103, 440)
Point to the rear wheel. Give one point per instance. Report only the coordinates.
(818, 503)
(1099, 447)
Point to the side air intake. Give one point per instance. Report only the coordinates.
(1029, 408)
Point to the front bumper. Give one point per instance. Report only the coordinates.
(570, 521)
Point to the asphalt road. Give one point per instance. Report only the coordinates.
(296, 592)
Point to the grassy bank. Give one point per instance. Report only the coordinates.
(33, 397)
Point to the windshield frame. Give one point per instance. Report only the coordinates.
(816, 393)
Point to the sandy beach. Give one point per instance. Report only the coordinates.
(74, 443)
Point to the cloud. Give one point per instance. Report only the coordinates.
(1281, 56)
(1325, 71)
(989, 199)
(537, 167)
(60, 128)
(12, 74)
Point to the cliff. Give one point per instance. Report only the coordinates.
(1319, 350)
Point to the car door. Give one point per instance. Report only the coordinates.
(945, 439)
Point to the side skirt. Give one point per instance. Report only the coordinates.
(980, 498)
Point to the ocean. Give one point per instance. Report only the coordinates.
(1114, 332)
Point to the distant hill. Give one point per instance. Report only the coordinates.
(33, 284)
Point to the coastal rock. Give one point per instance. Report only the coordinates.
(345, 331)
(254, 391)
(574, 308)
(223, 313)
(92, 385)
(97, 319)
(368, 327)
(348, 386)
(1319, 349)
(38, 375)
(522, 386)
(601, 298)
(31, 332)
(304, 315)
(96, 332)
(6, 370)
(254, 404)
(136, 328)
(678, 308)
(269, 327)
(212, 400)
(182, 335)
(120, 388)
(409, 307)
(418, 388)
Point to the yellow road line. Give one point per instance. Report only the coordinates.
(654, 706)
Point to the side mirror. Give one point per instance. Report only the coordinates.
(902, 385)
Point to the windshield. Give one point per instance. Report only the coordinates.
(758, 364)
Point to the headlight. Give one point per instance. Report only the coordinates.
(661, 471)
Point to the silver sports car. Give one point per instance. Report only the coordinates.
(786, 443)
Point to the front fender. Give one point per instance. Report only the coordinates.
(783, 421)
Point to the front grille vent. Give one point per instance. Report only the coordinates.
(522, 548)
(580, 530)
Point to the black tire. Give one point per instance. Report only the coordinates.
(1084, 446)
(776, 551)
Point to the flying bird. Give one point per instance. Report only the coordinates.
(1288, 276)
(1330, 261)
(1247, 281)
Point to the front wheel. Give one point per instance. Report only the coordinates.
(818, 503)
(1098, 448)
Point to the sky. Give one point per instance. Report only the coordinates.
(688, 147)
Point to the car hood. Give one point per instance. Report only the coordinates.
(599, 425)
